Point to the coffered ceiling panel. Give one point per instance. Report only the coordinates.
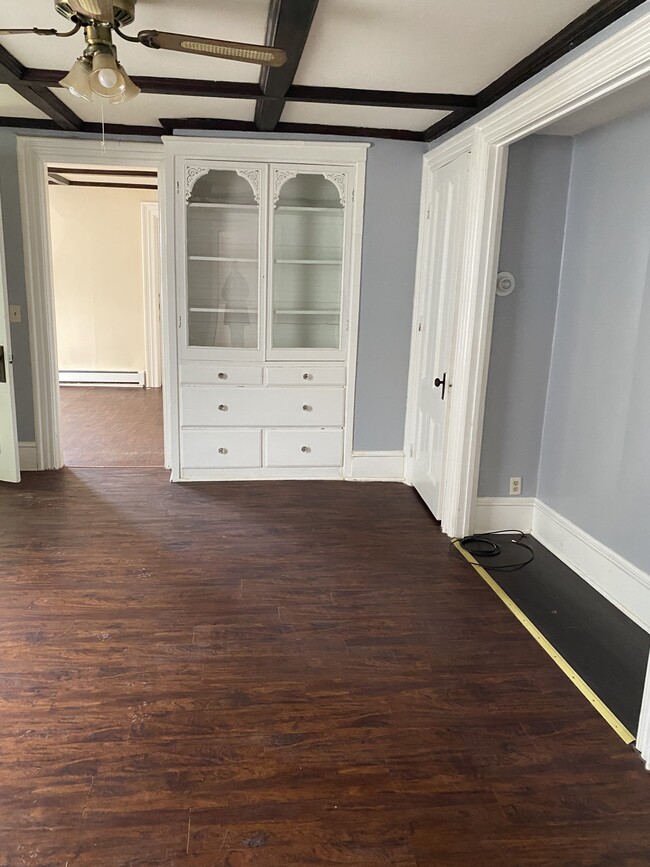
(430, 45)
(360, 115)
(149, 107)
(422, 47)
(13, 105)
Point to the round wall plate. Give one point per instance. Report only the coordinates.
(505, 283)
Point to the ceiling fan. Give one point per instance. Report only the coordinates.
(98, 73)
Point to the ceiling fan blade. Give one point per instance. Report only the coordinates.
(39, 31)
(243, 51)
(98, 10)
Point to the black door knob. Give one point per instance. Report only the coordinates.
(441, 382)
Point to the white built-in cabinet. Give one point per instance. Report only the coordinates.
(266, 270)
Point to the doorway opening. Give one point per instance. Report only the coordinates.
(105, 257)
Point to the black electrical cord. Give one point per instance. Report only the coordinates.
(481, 546)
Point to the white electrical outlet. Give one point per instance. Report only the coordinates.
(15, 314)
(515, 486)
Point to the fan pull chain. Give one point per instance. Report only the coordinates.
(103, 143)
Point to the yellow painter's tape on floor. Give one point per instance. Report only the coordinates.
(557, 658)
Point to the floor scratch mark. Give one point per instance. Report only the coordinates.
(189, 827)
(90, 788)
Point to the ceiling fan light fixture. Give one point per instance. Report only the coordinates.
(78, 79)
(106, 78)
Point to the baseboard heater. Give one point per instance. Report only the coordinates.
(125, 378)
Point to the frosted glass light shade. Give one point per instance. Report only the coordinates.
(130, 91)
(106, 79)
(78, 79)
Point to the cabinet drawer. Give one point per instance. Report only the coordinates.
(303, 448)
(261, 407)
(305, 375)
(226, 374)
(218, 449)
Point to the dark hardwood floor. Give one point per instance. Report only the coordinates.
(112, 427)
(281, 673)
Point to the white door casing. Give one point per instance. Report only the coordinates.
(9, 459)
(441, 274)
(34, 154)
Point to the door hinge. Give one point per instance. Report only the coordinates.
(178, 186)
(180, 322)
(353, 196)
(429, 212)
(419, 326)
(411, 451)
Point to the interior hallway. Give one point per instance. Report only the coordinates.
(281, 673)
(112, 427)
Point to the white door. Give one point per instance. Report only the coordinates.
(446, 215)
(9, 464)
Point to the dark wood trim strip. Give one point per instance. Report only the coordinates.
(12, 72)
(288, 25)
(27, 123)
(101, 184)
(596, 18)
(447, 123)
(171, 124)
(100, 172)
(296, 93)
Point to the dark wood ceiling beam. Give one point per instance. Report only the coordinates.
(591, 22)
(287, 27)
(58, 170)
(12, 73)
(106, 185)
(171, 124)
(296, 93)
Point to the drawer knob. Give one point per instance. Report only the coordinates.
(306, 376)
(305, 450)
(223, 407)
(222, 375)
(223, 451)
(306, 407)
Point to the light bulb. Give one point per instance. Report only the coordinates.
(107, 78)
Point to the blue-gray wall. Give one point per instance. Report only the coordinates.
(394, 171)
(531, 248)
(595, 460)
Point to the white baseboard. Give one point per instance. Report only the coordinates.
(27, 456)
(135, 378)
(377, 467)
(625, 585)
(503, 513)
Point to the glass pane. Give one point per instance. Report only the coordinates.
(222, 262)
(307, 266)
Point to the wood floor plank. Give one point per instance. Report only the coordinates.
(290, 673)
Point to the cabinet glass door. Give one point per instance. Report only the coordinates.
(223, 217)
(307, 253)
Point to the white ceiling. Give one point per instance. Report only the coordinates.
(412, 45)
(13, 105)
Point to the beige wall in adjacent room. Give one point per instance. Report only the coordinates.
(97, 265)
